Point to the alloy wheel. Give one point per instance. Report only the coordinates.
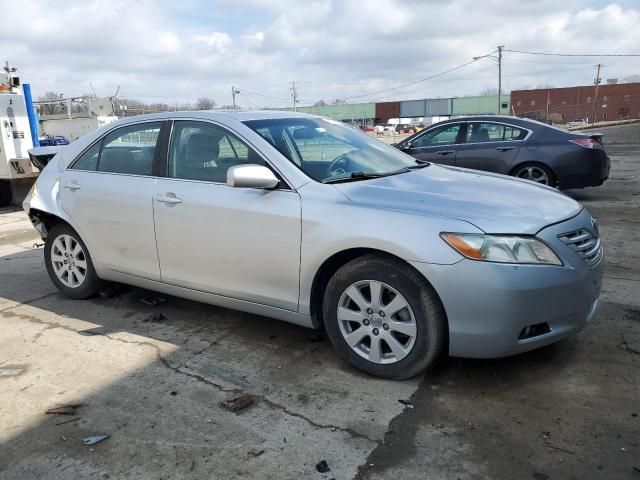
(377, 322)
(69, 261)
(534, 173)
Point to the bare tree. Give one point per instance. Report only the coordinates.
(204, 103)
(320, 103)
(338, 101)
(489, 92)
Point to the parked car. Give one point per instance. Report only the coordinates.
(304, 219)
(52, 141)
(514, 146)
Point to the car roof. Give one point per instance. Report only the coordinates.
(523, 122)
(222, 115)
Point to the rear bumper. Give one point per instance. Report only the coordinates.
(489, 306)
(590, 169)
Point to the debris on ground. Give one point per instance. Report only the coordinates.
(152, 299)
(156, 317)
(173, 393)
(94, 439)
(540, 476)
(323, 467)
(38, 245)
(545, 435)
(255, 453)
(68, 421)
(64, 410)
(237, 401)
(408, 404)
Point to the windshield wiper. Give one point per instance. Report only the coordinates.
(359, 176)
(419, 164)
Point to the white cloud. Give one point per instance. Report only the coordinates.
(216, 40)
(333, 48)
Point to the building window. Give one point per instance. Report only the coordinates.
(564, 102)
(519, 103)
(588, 99)
(504, 105)
(604, 99)
(604, 115)
(627, 98)
(533, 102)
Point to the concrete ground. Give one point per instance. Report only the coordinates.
(152, 378)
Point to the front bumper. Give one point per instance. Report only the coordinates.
(490, 305)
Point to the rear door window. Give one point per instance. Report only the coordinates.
(130, 150)
(482, 132)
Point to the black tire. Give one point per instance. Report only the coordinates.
(553, 180)
(5, 193)
(91, 283)
(429, 315)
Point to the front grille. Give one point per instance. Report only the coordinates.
(585, 244)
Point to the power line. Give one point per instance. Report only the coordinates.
(576, 54)
(413, 83)
(265, 96)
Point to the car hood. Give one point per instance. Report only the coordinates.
(494, 203)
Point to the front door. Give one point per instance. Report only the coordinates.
(107, 192)
(242, 243)
(437, 145)
(489, 146)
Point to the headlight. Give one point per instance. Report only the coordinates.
(501, 248)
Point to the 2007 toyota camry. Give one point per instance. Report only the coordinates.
(306, 220)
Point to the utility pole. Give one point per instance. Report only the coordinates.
(234, 92)
(500, 47)
(548, 95)
(294, 95)
(595, 96)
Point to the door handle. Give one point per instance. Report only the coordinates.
(71, 185)
(504, 149)
(445, 152)
(167, 199)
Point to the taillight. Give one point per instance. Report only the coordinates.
(585, 142)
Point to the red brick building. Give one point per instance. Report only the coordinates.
(614, 102)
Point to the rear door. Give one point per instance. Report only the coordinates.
(107, 193)
(437, 145)
(490, 146)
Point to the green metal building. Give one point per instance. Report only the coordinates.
(480, 105)
(347, 112)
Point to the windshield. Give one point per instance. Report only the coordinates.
(327, 150)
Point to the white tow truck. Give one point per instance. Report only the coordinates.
(15, 137)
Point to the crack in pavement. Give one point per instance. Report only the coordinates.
(180, 370)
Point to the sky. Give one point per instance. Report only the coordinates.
(176, 52)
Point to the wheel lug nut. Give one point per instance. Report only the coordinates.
(366, 321)
(385, 326)
(381, 313)
(369, 311)
(376, 331)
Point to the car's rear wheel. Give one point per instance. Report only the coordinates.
(537, 173)
(69, 264)
(384, 317)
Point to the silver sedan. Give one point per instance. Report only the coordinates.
(304, 219)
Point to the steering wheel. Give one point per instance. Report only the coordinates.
(339, 166)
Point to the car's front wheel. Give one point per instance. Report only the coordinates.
(384, 317)
(69, 264)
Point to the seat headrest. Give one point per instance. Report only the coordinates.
(202, 147)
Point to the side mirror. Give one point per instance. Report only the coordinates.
(406, 146)
(251, 176)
